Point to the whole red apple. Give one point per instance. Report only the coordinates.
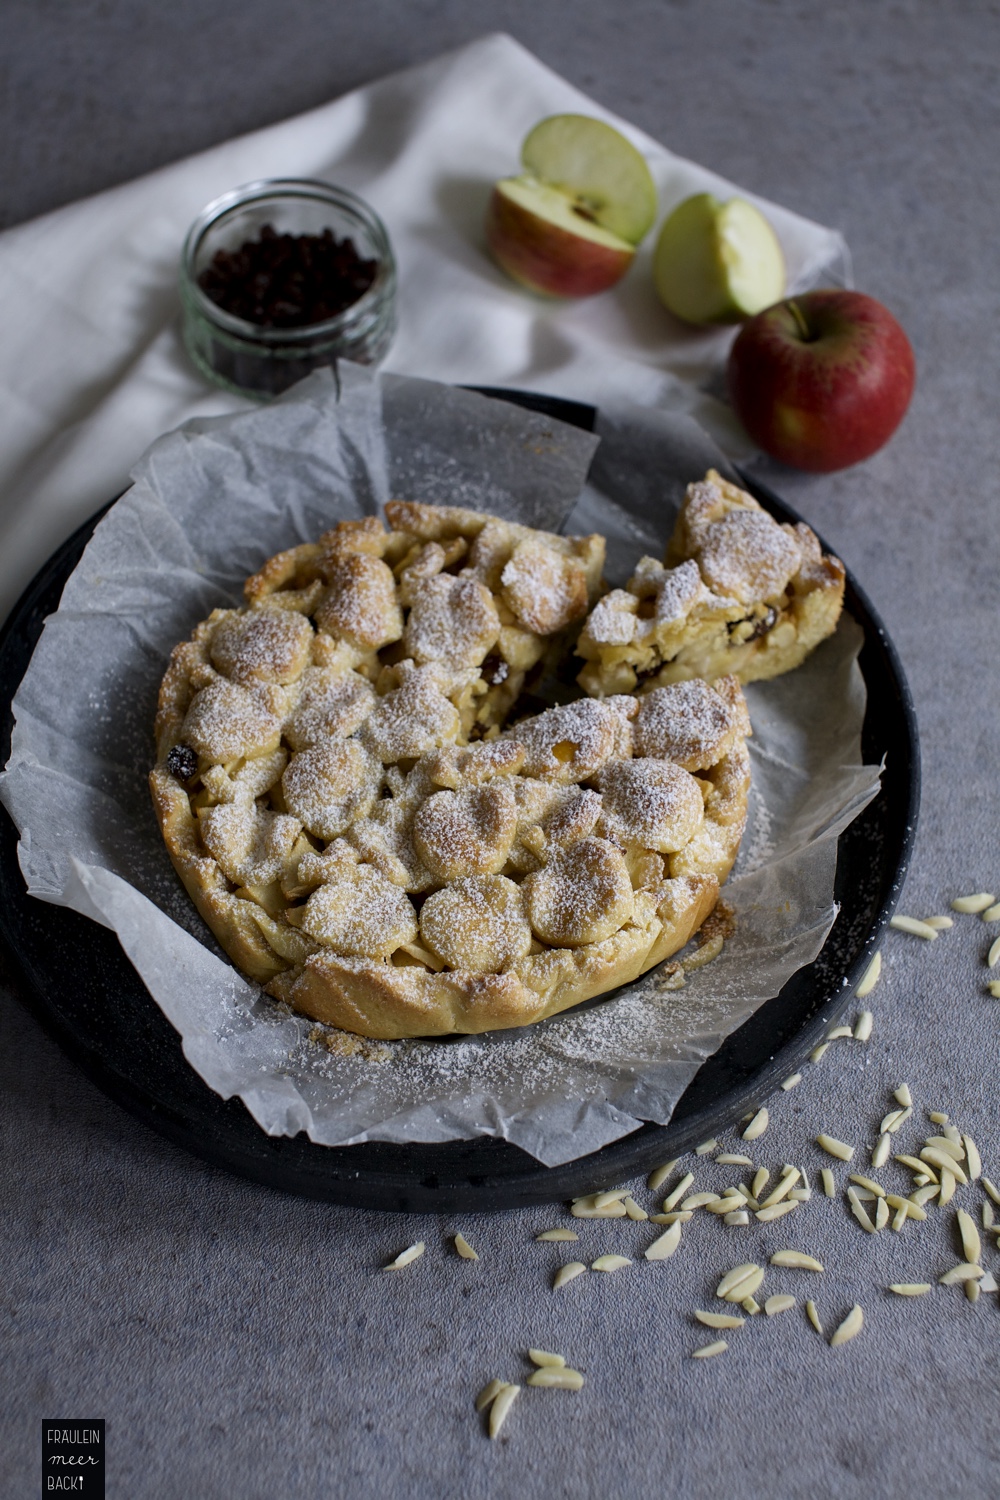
(822, 380)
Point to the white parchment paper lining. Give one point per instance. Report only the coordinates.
(208, 504)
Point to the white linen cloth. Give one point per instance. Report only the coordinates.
(92, 368)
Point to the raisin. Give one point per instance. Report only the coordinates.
(494, 669)
(288, 280)
(182, 762)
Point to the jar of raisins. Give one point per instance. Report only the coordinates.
(283, 276)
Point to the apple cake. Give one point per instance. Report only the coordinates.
(738, 594)
(370, 829)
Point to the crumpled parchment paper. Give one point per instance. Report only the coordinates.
(208, 504)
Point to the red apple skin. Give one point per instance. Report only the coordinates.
(547, 258)
(826, 392)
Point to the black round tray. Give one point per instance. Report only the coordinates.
(77, 981)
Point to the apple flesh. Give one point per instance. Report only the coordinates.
(717, 262)
(569, 225)
(821, 381)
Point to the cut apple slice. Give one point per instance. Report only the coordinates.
(594, 166)
(718, 262)
(538, 237)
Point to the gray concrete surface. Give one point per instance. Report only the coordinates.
(242, 1343)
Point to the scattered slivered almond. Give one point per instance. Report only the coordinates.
(829, 1184)
(639, 1215)
(610, 1263)
(779, 1304)
(813, 1316)
(901, 1215)
(863, 1026)
(964, 1271)
(677, 1193)
(944, 1162)
(987, 1212)
(994, 988)
(406, 1257)
(543, 1359)
(749, 1305)
(569, 1272)
(870, 977)
(913, 1210)
(972, 1247)
(925, 1194)
(557, 1235)
(910, 1288)
(488, 1393)
(817, 1052)
(840, 1149)
(796, 1258)
(700, 1200)
(464, 1249)
(915, 1165)
(914, 926)
(664, 1247)
(679, 1216)
(707, 1351)
(613, 1211)
(606, 1199)
(719, 1320)
(858, 1210)
(733, 1160)
(757, 1125)
(973, 1161)
(973, 905)
(903, 1096)
(739, 1218)
(706, 1148)
(937, 1117)
(992, 913)
(894, 1119)
(500, 1406)
(939, 923)
(972, 1289)
(760, 1180)
(881, 1149)
(993, 957)
(948, 1145)
(556, 1379)
(792, 1082)
(881, 1214)
(839, 1032)
(789, 1178)
(659, 1175)
(993, 1191)
(869, 1183)
(801, 1195)
(849, 1328)
(742, 1281)
(776, 1211)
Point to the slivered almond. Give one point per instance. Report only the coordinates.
(776, 1211)
(993, 957)
(940, 924)
(863, 1026)
(840, 1033)
(964, 1271)
(488, 1393)
(749, 1305)
(719, 1320)
(915, 1166)
(914, 926)
(778, 1304)
(817, 1052)
(973, 904)
(937, 1116)
(406, 1257)
(925, 1194)
(944, 1162)
(569, 1272)
(761, 1178)
(869, 1183)
(973, 1161)
(733, 1160)
(797, 1258)
(464, 1249)
(858, 1210)
(674, 1197)
(840, 1149)
(881, 1214)
(545, 1360)
(895, 1118)
(913, 1210)
(901, 1215)
(849, 1328)
(789, 1178)
(583, 1210)
(659, 1175)
(881, 1149)
(870, 977)
(972, 1247)
(813, 1316)
(829, 1184)
(757, 1125)
(948, 1145)
(700, 1200)
(992, 913)
(557, 1235)
(558, 1380)
(680, 1216)
(903, 1096)
(708, 1351)
(910, 1288)
(739, 1218)
(610, 1263)
(502, 1404)
(742, 1281)
(792, 1081)
(664, 1247)
(991, 1190)
(706, 1148)
(639, 1215)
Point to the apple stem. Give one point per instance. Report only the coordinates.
(805, 332)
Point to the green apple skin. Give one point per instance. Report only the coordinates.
(717, 262)
(545, 252)
(821, 381)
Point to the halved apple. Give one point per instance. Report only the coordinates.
(718, 262)
(569, 225)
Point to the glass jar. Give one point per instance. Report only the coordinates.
(259, 361)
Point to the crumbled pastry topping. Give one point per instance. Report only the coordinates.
(356, 801)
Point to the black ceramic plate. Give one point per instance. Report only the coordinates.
(78, 983)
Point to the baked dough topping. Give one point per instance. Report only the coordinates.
(366, 832)
(738, 595)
